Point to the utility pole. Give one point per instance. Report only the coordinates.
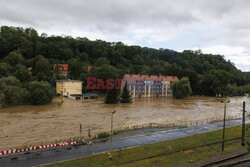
(81, 130)
(111, 133)
(243, 124)
(224, 124)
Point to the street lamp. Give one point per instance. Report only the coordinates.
(224, 123)
(111, 133)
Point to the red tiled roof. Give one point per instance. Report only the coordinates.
(150, 77)
(64, 66)
(90, 67)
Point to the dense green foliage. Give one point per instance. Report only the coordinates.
(40, 92)
(113, 96)
(126, 96)
(13, 92)
(22, 48)
(181, 89)
(103, 135)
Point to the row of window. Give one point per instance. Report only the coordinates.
(143, 87)
(155, 91)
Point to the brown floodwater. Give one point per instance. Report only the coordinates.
(24, 125)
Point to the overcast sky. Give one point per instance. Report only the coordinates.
(214, 26)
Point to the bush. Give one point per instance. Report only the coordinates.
(233, 90)
(103, 135)
(15, 95)
(40, 92)
(5, 69)
(2, 99)
(247, 89)
(8, 81)
(181, 89)
(14, 58)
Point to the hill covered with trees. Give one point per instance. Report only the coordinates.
(22, 48)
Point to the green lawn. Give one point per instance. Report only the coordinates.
(140, 152)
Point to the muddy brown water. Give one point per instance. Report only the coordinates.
(25, 125)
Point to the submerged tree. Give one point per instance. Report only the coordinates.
(181, 89)
(112, 96)
(126, 96)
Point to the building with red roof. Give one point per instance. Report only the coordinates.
(90, 67)
(62, 69)
(149, 85)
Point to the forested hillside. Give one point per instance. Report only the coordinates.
(22, 48)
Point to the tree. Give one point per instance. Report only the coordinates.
(41, 68)
(56, 70)
(101, 61)
(221, 79)
(23, 75)
(14, 58)
(233, 90)
(14, 95)
(2, 99)
(84, 57)
(76, 68)
(40, 92)
(208, 85)
(112, 96)
(181, 89)
(4, 50)
(126, 96)
(106, 72)
(40, 64)
(5, 69)
(8, 81)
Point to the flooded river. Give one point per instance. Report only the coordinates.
(24, 125)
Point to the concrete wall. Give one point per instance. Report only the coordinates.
(68, 87)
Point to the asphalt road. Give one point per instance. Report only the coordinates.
(50, 156)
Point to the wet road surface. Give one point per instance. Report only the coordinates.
(50, 156)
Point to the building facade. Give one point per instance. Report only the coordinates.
(68, 87)
(149, 85)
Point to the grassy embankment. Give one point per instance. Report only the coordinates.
(125, 157)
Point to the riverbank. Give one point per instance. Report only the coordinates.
(129, 157)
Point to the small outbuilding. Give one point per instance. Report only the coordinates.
(68, 87)
(83, 96)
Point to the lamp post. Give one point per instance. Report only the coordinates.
(111, 133)
(224, 124)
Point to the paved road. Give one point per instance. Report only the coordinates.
(49, 156)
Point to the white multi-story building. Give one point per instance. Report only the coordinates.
(149, 85)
